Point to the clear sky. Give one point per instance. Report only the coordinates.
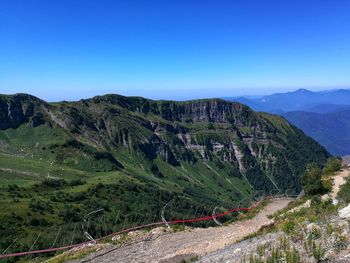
(174, 49)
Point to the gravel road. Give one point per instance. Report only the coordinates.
(184, 245)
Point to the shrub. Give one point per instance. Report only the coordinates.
(12, 187)
(318, 252)
(76, 182)
(344, 193)
(327, 185)
(211, 126)
(39, 206)
(70, 213)
(55, 183)
(333, 165)
(234, 172)
(288, 227)
(156, 171)
(39, 222)
(311, 180)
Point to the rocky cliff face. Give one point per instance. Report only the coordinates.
(262, 149)
(18, 109)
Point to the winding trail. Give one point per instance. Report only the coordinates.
(338, 180)
(175, 247)
(235, 252)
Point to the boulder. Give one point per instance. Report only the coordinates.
(345, 212)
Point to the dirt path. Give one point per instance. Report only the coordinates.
(338, 181)
(175, 247)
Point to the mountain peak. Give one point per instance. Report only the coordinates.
(302, 91)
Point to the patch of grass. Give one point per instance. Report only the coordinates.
(73, 255)
(178, 227)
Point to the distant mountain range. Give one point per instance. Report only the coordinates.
(323, 115)
(299, 100)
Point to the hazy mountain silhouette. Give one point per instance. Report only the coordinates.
(299, 100)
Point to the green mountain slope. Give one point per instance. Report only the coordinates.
(331, 129)
(130, 155)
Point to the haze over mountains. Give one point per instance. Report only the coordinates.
(299, 100)
(323, 115)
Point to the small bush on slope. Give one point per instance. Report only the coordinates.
(311, 180)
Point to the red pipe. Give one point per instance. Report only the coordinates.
(206, 218)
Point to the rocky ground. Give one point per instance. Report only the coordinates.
(313, 239)
(346, 160)
(327, 240)
(311, 243)
(160, 246)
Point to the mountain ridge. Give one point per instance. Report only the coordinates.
(151, 127)
(131, 156)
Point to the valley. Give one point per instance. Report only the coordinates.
(129, 156)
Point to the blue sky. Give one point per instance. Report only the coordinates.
(71, 49)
